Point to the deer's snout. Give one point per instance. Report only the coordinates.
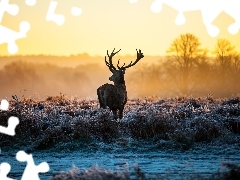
(110, 78)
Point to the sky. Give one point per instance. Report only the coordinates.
(107, 24)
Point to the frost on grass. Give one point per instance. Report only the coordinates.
(95, 172)
(181, 122)
(92, 173)
(226, 171)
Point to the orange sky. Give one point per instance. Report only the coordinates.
(105, 24)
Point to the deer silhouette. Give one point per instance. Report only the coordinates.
(115, 96)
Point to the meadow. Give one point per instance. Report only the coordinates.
(68, 124)
(172, 128)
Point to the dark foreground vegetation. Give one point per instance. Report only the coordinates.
(183, 121)
(173, 123)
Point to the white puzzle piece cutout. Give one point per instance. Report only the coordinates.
(12, 9)
(210, 9)
(232, 8)
(4, 170)
(76, 11)
(51, 16)
(59, 19)
(133, 1)
(12, 121)
(10, 130)
(30, 2)
(31, 171)
(7, 35)
(4, 105)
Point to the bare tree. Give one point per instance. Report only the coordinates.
(183, 55)
(115, 96)
(227, 66)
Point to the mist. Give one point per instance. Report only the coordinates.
(41, 79)
(154, 76)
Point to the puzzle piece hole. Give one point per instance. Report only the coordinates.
(31, 171)
(30, 2)
(156, 7)
(4, 169)
(133, 1)
(76, 11)
(180, 20)
(4, 105)
(43, 167)
(24, 27)
(12, 9)
(233, 29)
(10, 130)
(51, 16)
(21, 156)
(213, 31)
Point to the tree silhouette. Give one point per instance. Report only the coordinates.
(227, 63)
(184, 54)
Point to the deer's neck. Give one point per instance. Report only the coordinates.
(120, 81)
(120, 85)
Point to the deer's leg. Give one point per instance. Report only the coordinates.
(106, 99)
(115, 114)
(121, 112)
(100, 98)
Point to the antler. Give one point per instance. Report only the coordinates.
(109, 64)
(139, 56)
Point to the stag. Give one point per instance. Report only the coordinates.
(115, 96)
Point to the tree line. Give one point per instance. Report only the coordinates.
(189, 69)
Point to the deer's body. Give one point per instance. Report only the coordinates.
(115, 96)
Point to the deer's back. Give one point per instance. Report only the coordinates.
(115, 96)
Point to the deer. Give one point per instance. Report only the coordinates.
(114, 96)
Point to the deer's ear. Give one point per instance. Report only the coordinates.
(123, 71)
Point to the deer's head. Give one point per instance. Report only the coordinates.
(118, 74)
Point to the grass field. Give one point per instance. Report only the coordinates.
(172, 123)
(181, 121)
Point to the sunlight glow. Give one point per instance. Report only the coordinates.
(112, 24)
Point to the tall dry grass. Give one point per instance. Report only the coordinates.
(182, 122)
